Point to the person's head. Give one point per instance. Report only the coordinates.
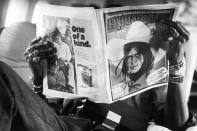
(62, 25)
(68, 33)
(138, 59)
(58, 39)
(14, 40)
(132, 55)
(118, 3)
(56, 36)
(1, 29)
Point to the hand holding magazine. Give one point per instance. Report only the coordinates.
(105, 54)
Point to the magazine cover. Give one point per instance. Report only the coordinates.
(135, 51)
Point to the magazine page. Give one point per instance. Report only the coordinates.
(74, 33)
(135, 53)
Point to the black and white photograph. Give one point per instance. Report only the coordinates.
(60, 70)
(98, 65)
(136, 51)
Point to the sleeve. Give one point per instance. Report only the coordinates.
(158, 110)
(38, 90)
(158, 105)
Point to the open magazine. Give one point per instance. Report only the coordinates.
(105, 54)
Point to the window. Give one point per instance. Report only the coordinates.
(17, 11)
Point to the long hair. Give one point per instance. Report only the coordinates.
(143, 49)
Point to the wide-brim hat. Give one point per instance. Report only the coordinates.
(137, 32)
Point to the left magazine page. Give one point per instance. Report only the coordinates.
(73, 32)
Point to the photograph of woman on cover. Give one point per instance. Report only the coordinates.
(60, 73)
(136, 63)
(132, 60)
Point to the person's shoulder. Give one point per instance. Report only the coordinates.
(4, 67)
(3, 64)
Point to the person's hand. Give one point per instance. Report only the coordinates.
(193, 128)
(178, 38)
(154, 127)
(37, 51)
(72, 106)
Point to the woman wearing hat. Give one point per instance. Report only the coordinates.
(132, 60)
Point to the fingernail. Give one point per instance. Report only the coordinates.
(80, 107)
(45, 43)
(84, 100)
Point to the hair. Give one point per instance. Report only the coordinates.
(95, 6)
(62, 19)
(143, 49)
(1, 29)
(55, 34)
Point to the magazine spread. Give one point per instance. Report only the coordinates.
(107, 54)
